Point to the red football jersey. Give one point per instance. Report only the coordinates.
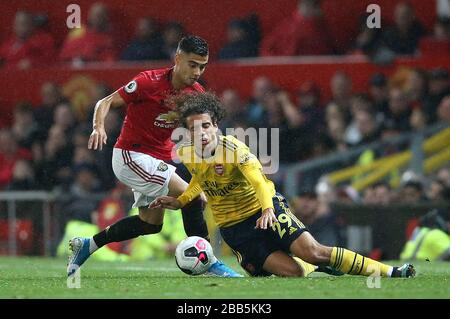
(149, 121)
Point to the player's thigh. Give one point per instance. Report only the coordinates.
(287, 228)
(281, 264)
(294, 237)
(147, 176)
(250, 245)
(151, 216)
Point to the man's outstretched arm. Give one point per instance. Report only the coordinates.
(193, 191)
(98, 136)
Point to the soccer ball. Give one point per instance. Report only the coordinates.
(193, 255)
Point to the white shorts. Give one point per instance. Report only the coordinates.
(147, 176)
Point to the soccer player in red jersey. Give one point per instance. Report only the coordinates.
(143, 150)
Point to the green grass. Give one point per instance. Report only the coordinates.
(45, 278)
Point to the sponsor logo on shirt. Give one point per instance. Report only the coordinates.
(167, 120)
(214, 189)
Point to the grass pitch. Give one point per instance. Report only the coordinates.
(161, 279)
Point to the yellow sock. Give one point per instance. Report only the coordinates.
(353, 263)
(307, 267)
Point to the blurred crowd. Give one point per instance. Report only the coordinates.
(45, 147)
(305, 32)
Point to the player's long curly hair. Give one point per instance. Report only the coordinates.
(188, 104)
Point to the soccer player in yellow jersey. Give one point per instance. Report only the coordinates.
(254, 220)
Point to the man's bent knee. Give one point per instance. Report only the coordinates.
(308, 249)
(151, 216)
(151, 229)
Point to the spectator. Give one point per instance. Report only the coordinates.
(418, 119)
(309, 106)
(439, 41)
(438, 191)
(378, 91)
(317, 215)
(303, 33)
(235, 110)
(362, 114)
(24, 127)
(443, 175)
(172, 34)
(417, 87)
(147, 44)
(368, 41)
(27, 47)
(417, 92)
(10, 153)
(379, 193)
(53, 168)
(306, 122)
(430, 240)
(65, 118)
(441, 29)
(79, 202)
(336, 133)
(262, 86)
(51, 96)
(341, 91)
(444, 110)
(397, 119)
(92, 43)
(367, 127)
(412, 192)
(439, 87)
(22, 176)
(404, 35)
(239, 43)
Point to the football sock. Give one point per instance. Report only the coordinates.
(353, 263)
(126, 228)
(193, 220)
(307, 267)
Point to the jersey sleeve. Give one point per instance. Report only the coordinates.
(251, 168)
(191, 192)
(134, 90)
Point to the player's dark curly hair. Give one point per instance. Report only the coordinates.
(198, 103)
(193, 44)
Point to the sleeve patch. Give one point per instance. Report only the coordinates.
(244, 158)
(130, 87)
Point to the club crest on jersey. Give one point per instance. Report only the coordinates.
(131, 87)
(219, 169)
(162, 167)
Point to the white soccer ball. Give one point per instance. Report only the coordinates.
(193, 255)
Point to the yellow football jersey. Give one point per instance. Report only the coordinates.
(232, 180)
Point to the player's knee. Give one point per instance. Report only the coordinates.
(151, 216)
(151, 229)
(317, 254)
(292, 271)
(312, 253)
